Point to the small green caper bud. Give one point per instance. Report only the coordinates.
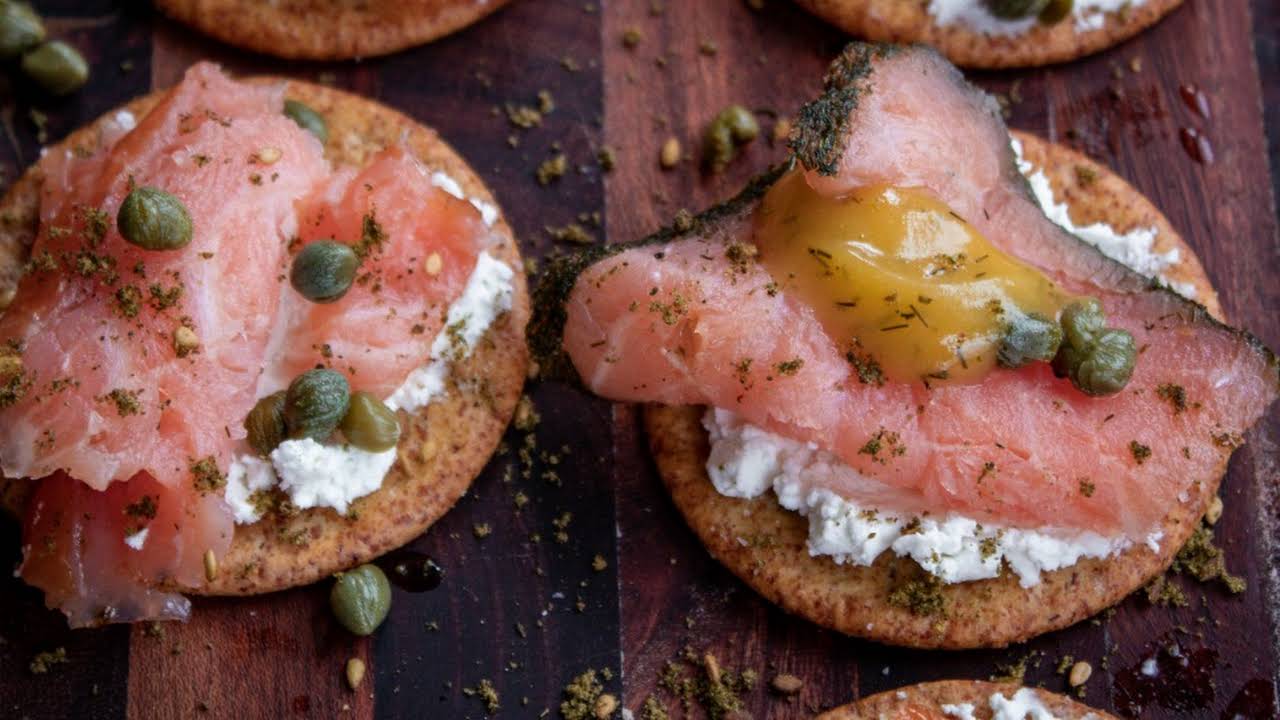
(315, 403)
(369, 424)
(56, 66)
(265, 423)
(1015, 9)
(153, 219)
(307, 119)
(323, 271)
(20, 28)
(1105, 368)
(1056, 11)
(1082, 321)
(361, 598)
(1029, 338)
(731, 127)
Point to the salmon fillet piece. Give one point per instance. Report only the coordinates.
(680, 319)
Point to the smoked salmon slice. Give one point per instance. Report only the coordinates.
(688, 317)
(127, 435)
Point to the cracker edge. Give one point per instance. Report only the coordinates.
(952, 692)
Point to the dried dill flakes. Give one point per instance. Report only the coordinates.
(572, 233)
(741, 256)
(708, 48)
(581, 697)
(683, 221)
(206, 476)
(43, 662)
(922, 597)
(866, 367)
(162, 299)
(1087, 488)
(128, 301)
(546, 102)
(607, 158)
(1175, 395)
(41, 123)
(144, 508)
(671, 312)
(631, 38)
(523, 116)
(883, 440)
(552, 169)
(1164, 592)
(1141, 453)
(481, 530)
(715, 689)
(1203, 560)
(653, 710)
(1013, 672)
(372, 236)
(126, 401)
(1085, 175)
(790, 367)
(526, 415)
(96, 224)
(599, 564)
(486, 693)
(14, 382)
(988, 469)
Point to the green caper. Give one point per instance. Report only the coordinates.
(315, 403)
(1056, 11)
(1029, 338)
(307, 119)
(1015, 9)
(20, 28)
(361, 598)
(265, 423)
(1103, 368)
(731, 127)
(1082, 322)
(56, 66)
(153, 219)
(369, 424)
(324, 270)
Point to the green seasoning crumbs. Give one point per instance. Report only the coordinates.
(129, 301)
(790, 367)
(126, 401)
(653, 710)
(371, 237)
(206, 476)
(671, 311)
(143, 508)
(607, 158)
(1163, 591)
(43, 662)
(883, 440)
(1014, 672)
(580, 697)
(1203, 560)
(487, 694)
(631, 38)
(1087, 488)
(13, 380)
(1085, 176)
(571, 233)
(922, 597)
(1141, 453)
(481, 530)
(552, 169)
(599, 564)
(715, 689)
(868, 370)
(1175, 395)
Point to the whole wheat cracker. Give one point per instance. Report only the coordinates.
(933, 695)
(442, 448)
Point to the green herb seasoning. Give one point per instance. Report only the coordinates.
(1141, 453)
(205, 475)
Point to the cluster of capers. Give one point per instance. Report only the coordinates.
(732, 126)
(318, 403)
(54, 65)
(1047, 11)
(1098, 360)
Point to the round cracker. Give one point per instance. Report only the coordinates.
(934, 695)
(766, 545)
(443, 448)
(328, 29)
(909, 21)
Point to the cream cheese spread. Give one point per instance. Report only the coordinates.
(1086, 14)
(316, 474)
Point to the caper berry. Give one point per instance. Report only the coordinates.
(369, 424)
(1056, 11)
(153, 219)
(315, 403)
(1015, 9)
(56, 66)
(1029, 338)
(265, 423)
(361, 598)
(731, 127)
(307, 119)
(20, 28)
(324, 270)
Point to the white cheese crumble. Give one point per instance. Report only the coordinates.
(959, 711)
(745, 461)
(1023, 705)
(322, 475)
(138, 539)
(1133, 249)
(488, 211)
(1086, 14)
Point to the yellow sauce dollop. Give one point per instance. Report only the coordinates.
(897, 278)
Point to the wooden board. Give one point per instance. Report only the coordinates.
(531, 615)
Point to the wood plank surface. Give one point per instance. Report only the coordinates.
(528, 611)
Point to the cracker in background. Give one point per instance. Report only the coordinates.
(933, 695)
(909, 21)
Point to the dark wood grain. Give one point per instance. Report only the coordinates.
(529, 613)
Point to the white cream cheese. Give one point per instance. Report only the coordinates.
(959, 711)
(1086, 14)
(1024, 705)
(138, 539)
(745, 461)
(1134, 248)
(316, 474)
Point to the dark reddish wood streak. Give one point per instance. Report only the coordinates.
(675, 595)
